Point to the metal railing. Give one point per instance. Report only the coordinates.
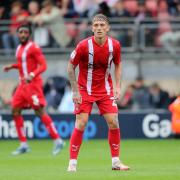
(134, 36)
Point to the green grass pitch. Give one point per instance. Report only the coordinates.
(148, 159)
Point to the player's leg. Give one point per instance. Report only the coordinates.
(19, 124)
(82, 112)
(18, 102)
(108, 108)
(46, 119)
(37, 101)
(76, 139)
(114, 140)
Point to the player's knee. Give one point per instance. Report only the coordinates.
(113, 124)
(40, 111)
(16, 112)
(81, 125)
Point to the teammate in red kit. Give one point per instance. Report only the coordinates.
(29, 93)
(94, 57)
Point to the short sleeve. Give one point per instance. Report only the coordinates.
(117, 53)
(76, 55)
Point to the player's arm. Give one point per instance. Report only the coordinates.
(117, 72)
(117, 75)
(73, 62)
(74, 85)
(9, 67)
(42, 65)
(72, 77)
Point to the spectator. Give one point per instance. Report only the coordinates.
(118, 10)
(52, 18)
(173, 6)
(141, 12)
(66, 105)
(3, 16)
(41, 34)
(170, 41)
(104, 9)
(140, 98)
(164, 21)
(178, 9)
(85, 8)
(4, 104)
(159, 99)
(131, 6)
(10, 39)
(64, 6)
(174, 107)
(151, 7)
(3, 12)
(33, 9)
(126, 100)
(67, 8)
(54, 90)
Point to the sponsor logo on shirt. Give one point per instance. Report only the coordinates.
(90, 65)
(91, 54)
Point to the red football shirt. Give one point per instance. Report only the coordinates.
(30, 59)
(94, 64)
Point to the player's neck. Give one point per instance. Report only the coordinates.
(24, 43)
(100, 41)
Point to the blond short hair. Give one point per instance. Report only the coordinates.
(100, 17)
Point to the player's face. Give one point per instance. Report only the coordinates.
(100, 28)
(23, 35)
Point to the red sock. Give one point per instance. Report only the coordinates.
(75, 143)
(50, 126)
(19, 123)
(114, 141)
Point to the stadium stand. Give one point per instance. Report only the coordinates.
(139, 26)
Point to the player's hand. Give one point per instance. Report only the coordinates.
(117, 94)
(29, 78)
(77, 99)
(7, 68)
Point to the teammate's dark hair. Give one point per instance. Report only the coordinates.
(100, 17)
(27, 26)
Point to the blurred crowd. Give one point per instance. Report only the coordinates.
(136, 96)
(139, 96)
(51, 30)
(86, 8)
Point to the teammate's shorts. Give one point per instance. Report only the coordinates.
(106, 104)
(28, 96)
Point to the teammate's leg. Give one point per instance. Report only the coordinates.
(114, 140)
(46, 119)
(19, 124)
(76, 139)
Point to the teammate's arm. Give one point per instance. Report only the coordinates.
(41, 60)
(42, 66)
(9, 67)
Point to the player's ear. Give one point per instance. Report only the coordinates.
(108, 28)
(92, 28)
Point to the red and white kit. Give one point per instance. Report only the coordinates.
(29, 60)
(95, 82)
